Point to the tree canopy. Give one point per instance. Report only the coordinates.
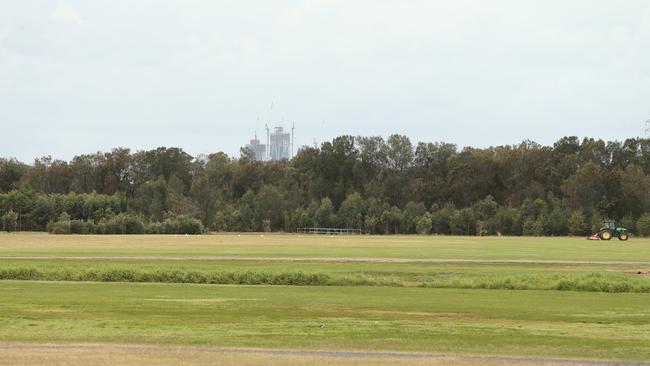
(379, 185)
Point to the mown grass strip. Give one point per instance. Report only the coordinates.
(582, 281)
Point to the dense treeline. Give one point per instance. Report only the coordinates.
(380, 186)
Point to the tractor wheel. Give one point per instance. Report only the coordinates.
(623, 237)
(606, 235)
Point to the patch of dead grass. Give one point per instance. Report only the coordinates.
(130, 355)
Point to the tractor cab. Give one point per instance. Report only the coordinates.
(611, 225)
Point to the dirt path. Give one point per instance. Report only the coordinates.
(105, 350)
(321, 259)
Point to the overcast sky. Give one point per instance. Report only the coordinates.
(82, 76)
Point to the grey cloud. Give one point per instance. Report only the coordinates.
(78, 76)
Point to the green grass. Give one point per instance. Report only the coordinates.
(584, 311)
(594, 278)
(293, 245)
(533, 323)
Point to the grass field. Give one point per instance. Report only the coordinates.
(277, 245)
(534, 323)
(513, 276)
(503, 309)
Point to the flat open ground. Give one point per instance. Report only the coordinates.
(550, 312)
(297, 246)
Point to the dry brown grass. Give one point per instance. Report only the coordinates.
(127, 355)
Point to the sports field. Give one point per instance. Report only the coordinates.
(302, 300)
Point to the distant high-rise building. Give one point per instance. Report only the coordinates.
(279, 144)
(258, 148)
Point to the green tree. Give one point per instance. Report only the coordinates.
(325, 216)
(399, 159)
(351, 212)
(533, 227)
(472, 176)
(441, 220)
(424, 224)
(11, 172)
(643, 225)
(206, 198)
(577, 224)
(371, 224)
(246, 212)
(162, 162)
(220, 223)
(486, 210)
(557, 222)
(411, 214)
(9, 221)
(391, 219)
(269, 206)
(431, 167)
(463, 222)
(507, 221)
(635, 192)
(587, 189)
(151, 199)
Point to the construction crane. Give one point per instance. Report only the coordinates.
(268, 134)
(293, 128)
(268, 142)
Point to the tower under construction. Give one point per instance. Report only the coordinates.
(279, 145)
(258, 148)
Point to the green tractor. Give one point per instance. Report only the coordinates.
(609, 230)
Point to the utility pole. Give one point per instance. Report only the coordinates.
(647, 128)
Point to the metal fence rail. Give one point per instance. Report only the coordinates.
(328, 231)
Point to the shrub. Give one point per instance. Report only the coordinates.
(187, 225)
(167, 276)
(153, 228)
(567, 281)
(122, 224)
(61, 225)
(82, 227)
(119, 224)
(181, 225)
